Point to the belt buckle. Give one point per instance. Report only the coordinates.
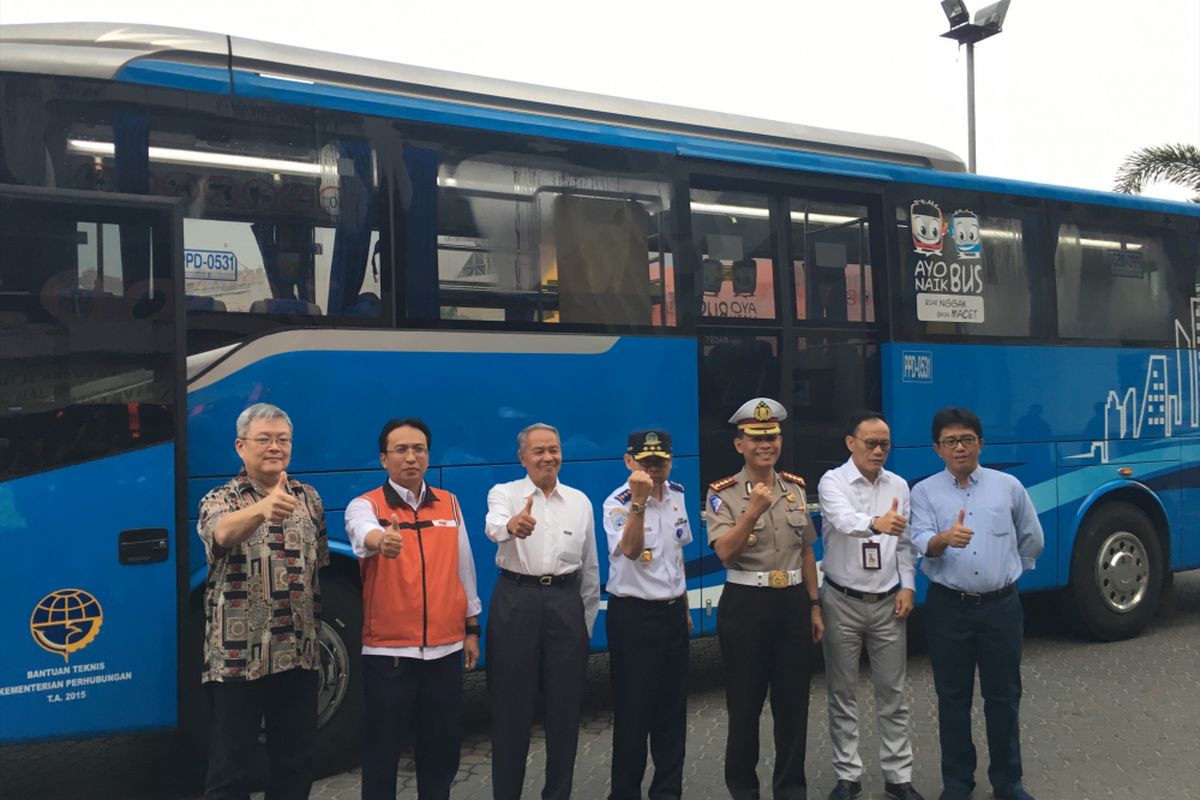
(973, 597)
(546, 580)
(777, 579)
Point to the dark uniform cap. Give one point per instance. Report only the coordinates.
(649, 444)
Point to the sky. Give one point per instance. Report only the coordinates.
(1063, 94)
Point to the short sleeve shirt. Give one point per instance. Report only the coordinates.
(780, 534)
(659, 575)
(262, 597)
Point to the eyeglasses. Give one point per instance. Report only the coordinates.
(951, 442)
(871, 444)
(403, 450)
(267, 441)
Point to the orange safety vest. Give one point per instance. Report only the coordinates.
(416, 599)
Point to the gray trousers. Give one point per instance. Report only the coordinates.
(849, 625)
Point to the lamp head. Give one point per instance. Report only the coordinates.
(956, 12)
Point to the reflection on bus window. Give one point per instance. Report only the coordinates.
(1113, 284)
(540, 239)
(832, 262)
(732, 232)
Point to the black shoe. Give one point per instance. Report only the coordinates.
(902, 791)
(846, 790)
(1016, 793)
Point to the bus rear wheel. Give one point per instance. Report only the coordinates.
(1116, 572)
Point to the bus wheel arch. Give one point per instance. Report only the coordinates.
(1118, 564)
(340, 695)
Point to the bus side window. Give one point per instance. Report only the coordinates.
(732, 232)
(1121, 279)
(540, 238)
(970, 265)
(831, 260)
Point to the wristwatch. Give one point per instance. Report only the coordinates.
(473, 629)
(637, 508)
(815, 602)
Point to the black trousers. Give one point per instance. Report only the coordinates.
(536, 636)
(964, 636)
(287, 703)
(410, 700)
(648, 659)
(766, 644)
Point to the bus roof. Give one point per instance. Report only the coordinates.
(102, 50)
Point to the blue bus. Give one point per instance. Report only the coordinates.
(193, 222)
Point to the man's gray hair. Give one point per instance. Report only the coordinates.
(259, 411)
(537, 426)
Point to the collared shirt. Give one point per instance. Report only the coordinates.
(667, 531)
(262, 597)
(780, 534)
(849, 500)
(1007, 534)
(564, 540)
(361, 520)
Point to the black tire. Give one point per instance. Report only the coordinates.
(1116, 572)
(340, 698)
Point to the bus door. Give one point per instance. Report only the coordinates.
(90, 466)
(787, 310)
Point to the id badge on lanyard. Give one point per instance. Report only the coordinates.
(872, 556)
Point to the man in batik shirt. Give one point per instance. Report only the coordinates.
(264, 537)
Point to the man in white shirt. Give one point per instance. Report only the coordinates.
(420, 611)
(541, 614)
(870, 571)
(646, 524)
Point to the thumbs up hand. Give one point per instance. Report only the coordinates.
(278, 505)
(392, 541)
(893, 522)
(958, 535)
(522, 524)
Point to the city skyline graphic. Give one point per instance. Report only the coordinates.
(1168, 400)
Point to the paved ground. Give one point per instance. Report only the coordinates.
(1118, 720)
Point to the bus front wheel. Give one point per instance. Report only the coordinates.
(1116, 572)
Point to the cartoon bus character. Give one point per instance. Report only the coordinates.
(928, 227)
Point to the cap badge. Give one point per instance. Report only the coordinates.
(651, 438)
(762, 412)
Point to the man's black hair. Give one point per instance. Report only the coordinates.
(862, 416)
(406, 422)
(949, 417)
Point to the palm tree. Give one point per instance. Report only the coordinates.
(1176, 163)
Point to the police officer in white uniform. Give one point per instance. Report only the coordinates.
(770, 618)
(646, 523)
(870, 568)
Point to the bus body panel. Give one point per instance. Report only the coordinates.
(1065, 446)
(99, 670)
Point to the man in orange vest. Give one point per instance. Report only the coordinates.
(420, 612)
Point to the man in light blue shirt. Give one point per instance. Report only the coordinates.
(978, 531)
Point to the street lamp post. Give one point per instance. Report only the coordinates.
(988, 22)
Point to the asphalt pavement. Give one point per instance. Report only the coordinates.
(1098, 720)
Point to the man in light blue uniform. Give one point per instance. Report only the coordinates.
(978, 531)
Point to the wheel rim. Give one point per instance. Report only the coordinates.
(1122, 572)
(334, 673)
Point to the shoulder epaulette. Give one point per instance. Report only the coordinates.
(724, 483)
(625, 496)
(792, 478)
(675, 487)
